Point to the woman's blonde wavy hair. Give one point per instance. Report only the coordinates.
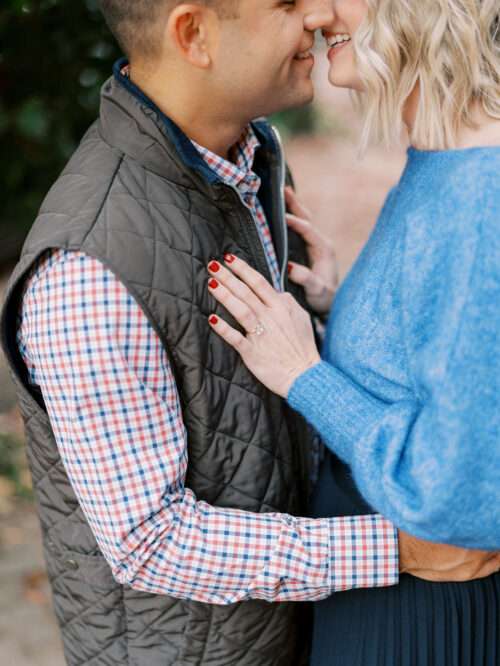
(451, 48)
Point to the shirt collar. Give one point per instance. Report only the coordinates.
(237, 171)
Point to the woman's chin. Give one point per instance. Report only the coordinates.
(348, 82)
(339, 81)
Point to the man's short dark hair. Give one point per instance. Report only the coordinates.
(134, 23)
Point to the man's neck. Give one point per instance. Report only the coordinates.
(195, 113)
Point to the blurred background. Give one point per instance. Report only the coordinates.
(54, 57)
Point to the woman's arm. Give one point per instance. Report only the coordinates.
(431, 464)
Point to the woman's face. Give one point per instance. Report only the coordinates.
(347, 17)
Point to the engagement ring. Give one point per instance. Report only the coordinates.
(258, 330)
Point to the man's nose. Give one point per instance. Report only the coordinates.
(318, 14)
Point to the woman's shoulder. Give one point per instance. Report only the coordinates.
(472, 172)
(452, 192)
(463, 171)
(451, 213)
(451, 246)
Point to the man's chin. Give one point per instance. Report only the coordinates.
(289, 102)
(302, 94)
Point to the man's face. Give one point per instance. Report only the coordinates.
(263, 62)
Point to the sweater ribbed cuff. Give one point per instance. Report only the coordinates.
(338, 409)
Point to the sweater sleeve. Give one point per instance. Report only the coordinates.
(429, 463)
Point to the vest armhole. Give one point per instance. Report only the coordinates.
(11, 349)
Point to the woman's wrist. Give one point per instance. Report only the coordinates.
(340, 410)
(301, 372)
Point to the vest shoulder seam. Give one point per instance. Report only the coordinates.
(103, 202)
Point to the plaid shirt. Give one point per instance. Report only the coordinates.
(238, 173)
(115, 412)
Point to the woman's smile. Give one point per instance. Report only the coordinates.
(336, 42)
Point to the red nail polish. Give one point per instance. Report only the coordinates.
(213, 284)
(229, 258)
(214, 266)
(213, 319)
(290, 267)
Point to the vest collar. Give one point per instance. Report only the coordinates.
(183, 146)
(188, 153)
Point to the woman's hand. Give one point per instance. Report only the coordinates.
(444, 563)
(321, 280)
(279, 345)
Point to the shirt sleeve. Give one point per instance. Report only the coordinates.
(115, 412)
(430, 463)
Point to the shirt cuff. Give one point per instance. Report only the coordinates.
(364, 552)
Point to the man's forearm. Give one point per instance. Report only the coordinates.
(116, 415)
(223, 556)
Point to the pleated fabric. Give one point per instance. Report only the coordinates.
(416, 623)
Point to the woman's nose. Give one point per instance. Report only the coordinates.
(319, 14)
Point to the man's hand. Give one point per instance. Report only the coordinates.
(442, 563)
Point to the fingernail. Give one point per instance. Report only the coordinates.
(213, 320)
(290, 267)
(214, 266)
(229, 258)
(213, 284)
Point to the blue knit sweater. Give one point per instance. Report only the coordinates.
(408, 391)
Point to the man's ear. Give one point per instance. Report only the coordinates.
(191, 29)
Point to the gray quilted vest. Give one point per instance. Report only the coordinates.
(136, 196)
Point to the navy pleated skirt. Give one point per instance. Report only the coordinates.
(415, 623)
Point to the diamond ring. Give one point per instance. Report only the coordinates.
(258, 330)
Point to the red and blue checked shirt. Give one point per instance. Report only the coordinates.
(238, 173)
(115, 413)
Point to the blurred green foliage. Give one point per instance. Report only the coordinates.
(13, 466)
(54, 57)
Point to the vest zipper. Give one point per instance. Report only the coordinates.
(281, 204)
(302, 452)
(250, 234)
(280, 215)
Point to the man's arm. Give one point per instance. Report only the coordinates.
(115, 411)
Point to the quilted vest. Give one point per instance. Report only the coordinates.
(137, 197)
